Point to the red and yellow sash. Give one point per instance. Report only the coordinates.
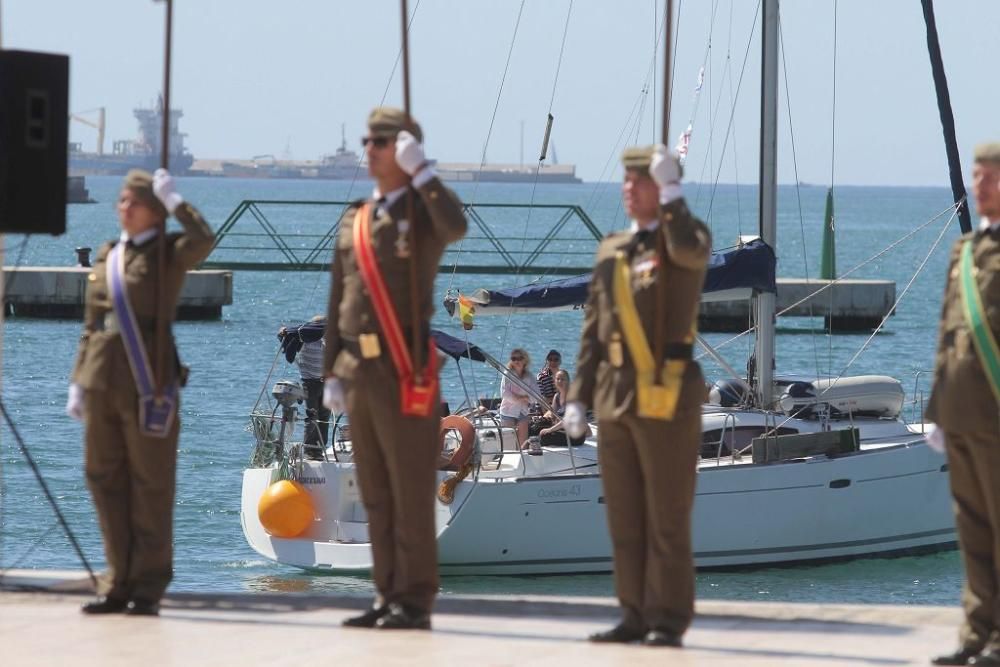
(418, 395)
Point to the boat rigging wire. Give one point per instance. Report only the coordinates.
(885, 318)
(798, 196)
(45, 489)
(956, 208)
(833, 154)
(486, 143)
(732, 102)
(953, 207)
(534, 185)
(732, 115)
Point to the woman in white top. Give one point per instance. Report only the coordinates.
(559, 408)
(515, 402)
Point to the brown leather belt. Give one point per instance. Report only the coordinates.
(678, 351)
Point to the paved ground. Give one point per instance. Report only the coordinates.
(45, 628)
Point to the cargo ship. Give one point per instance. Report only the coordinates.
(142, 152)
(347, 165)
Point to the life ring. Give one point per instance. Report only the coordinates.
(467, 435)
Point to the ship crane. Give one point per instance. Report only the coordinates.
(98, 125)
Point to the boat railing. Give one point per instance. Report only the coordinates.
(731, 420)
(917, 404)
(288, 235)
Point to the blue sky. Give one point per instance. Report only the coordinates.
(263, 77)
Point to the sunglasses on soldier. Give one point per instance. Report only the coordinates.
(376, 142)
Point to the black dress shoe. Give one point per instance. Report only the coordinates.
(989, 658)
(661, 638)
(404, 617)
(620, 634)
(104, 605)
(367, 619)
(959, 657)
(140, 607)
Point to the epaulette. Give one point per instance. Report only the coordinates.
(105, 248)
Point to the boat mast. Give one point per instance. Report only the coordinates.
(947, 117)
(768, 210)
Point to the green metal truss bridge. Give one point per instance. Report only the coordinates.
(280, 235)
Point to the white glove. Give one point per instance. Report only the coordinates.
(163, 188)
(575, 419)
(665, 168)
(935, 438)
(74, 402)
(333, 396)
(409, 153)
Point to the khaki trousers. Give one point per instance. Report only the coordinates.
(648, 469)
(131, 478)
(974, 470)
(396, 462)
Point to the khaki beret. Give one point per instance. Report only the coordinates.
(988, 152)
(390, 121)
(637, 157)
(641, 157)
(140, 182)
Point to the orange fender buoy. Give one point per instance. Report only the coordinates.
(467, 435)
(285, 509)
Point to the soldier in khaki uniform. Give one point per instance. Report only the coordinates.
(648, 464)
(965, 406)
(395, 454)
(131, 475)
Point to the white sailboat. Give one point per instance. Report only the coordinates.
(856, 481)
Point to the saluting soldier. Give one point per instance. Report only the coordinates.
(380, 364)
(635, 371)
(131, 424)
(965, 406)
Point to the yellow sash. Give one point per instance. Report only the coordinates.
(655, 400)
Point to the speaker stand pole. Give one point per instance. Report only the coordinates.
(3, 307)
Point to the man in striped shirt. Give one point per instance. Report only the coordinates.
(546, 377)
(304, 345)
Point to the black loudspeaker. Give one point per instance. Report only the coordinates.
(34, 132)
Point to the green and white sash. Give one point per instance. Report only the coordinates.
(972, 307)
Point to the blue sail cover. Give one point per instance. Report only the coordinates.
(456, 347)
(735, 274)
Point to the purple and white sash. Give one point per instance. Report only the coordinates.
(156, 413)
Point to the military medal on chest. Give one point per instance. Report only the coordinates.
(616, 355)
(644, 269)
(402, 238)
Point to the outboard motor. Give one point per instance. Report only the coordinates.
(288, 394)
(728, 394)
(799, 400)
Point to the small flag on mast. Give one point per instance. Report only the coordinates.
(466, 311)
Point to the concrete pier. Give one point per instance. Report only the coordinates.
(287, 628)
(846, 305)
(57, 292)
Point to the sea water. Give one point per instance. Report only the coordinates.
(231, 359)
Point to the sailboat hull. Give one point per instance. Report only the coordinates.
(879, 501)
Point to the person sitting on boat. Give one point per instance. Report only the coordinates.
(515, 400)
(546, 376)
(304, 345)
(553, 436)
